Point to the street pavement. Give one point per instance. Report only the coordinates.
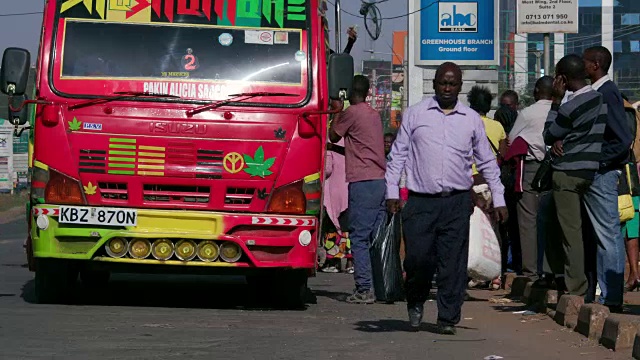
(191, 317)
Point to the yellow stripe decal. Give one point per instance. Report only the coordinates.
(151, 154)
(123, 159)
(152, 148)
(118, 152)
(153, 167)
(312, 177)
(120, 146)
(151, 173)
(154, 161)
(41, 165)
(129, 166)
(121, 140)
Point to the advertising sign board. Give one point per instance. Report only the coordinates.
(463, 31)
(547, 16)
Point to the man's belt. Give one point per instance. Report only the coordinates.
(335, 148)
(444, 194)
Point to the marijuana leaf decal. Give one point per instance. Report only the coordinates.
(75, 124)
(280, 133)
(90, 189)
(258, 166)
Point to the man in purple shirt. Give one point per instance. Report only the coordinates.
(361, 127)
(438, 141)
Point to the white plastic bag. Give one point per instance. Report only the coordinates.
(484, 249)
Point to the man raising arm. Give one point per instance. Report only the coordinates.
(361, 127)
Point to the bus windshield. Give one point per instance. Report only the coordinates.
(190, 49)
(140, 51)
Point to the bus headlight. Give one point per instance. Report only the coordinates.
(139, 248)
(117, 247)
(230, 251)
(208, 251)
(186, 250)
(162, 249)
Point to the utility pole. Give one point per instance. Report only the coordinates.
(547, 54)
(374, 77)
(338, 26)
(405, 75)
(538, 55)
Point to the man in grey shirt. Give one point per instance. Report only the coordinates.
(529, 126)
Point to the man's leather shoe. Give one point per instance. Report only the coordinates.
(415, 315)
(615, 309)
(447, 329)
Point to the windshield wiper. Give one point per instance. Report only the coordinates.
(118, 96)
(234, 98)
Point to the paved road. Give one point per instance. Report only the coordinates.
(154, 317)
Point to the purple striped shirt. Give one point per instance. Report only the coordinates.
(437, 151)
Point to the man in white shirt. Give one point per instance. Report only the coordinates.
(529, 126)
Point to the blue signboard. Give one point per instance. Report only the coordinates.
(462, 31)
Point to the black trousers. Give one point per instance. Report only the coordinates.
(436, 233)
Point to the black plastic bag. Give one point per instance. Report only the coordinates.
(385, 261)
(543, 179)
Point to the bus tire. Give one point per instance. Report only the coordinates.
(54, 281)
(285, 290)
(94, 278)
(293, 289)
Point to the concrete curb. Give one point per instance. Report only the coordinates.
(636, 348)
(508, 281)
(591, 320)
(535, 298)
(568, 310)
(518, 285)
(551, 298)
(619, 332)
(594, 321)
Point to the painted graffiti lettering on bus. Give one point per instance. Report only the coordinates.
(252, 13)
(186, 90)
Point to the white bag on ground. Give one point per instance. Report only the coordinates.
(484, 249)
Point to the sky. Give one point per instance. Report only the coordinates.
(24, 31)
(21, 31)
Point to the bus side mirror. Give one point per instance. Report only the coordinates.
(21, 116)
(340, 76)
(14, 72)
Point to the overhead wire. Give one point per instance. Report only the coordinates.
(617, 34)
(574, 39)
(22, 14)
(629, 29)
(388, 18)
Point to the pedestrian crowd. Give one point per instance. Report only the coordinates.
(562, 176)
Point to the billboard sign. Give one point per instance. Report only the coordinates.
(397, 78)
(379, 74)
(536, 16)
(463, 31)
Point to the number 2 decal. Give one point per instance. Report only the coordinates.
(190, 61)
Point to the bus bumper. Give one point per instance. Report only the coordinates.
(266, 241)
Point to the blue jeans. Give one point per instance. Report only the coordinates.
(601, 202)
(366, 211)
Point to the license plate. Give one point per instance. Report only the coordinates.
(97, 216)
